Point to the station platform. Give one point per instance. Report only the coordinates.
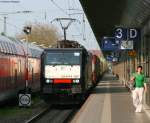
(110, 102)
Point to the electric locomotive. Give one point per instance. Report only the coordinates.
(66, 74)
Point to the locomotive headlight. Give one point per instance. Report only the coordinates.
(76, 81)
(49, 81)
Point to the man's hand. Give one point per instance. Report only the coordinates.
(132, 78)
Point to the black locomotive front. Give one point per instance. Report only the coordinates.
(65, 73)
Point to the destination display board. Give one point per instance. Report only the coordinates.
(109, 44)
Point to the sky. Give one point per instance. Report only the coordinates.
(44, 11)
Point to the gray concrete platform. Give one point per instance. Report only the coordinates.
(110, 102)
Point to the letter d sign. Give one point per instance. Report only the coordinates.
(134, 34)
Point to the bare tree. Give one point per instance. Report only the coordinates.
(41, 34)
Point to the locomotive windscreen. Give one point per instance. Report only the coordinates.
(62, 64)
(63, 58)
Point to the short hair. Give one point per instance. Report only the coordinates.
(140, 66)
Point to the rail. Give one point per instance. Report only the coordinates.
(39, 115)
(52, 114)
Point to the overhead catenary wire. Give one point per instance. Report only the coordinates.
(80, 12)
(63, 10)
(83, 24)
(59, 7)
(9, 1)
(74, 4)
(69, 4)
(16, 27)
(5, 19)
(70, 8)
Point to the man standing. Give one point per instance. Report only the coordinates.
(140, 86)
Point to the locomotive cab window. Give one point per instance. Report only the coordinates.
(63, 58)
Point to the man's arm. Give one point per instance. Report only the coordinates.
(132, 77)
(145, 87)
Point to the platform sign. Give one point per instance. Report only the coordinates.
(126, 45)
(24, 100)
(134, 34)
(121, 33)
(124, 33)
(109, 44)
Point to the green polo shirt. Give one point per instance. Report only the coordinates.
(139, 79)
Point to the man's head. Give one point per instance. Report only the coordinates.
(139, 68)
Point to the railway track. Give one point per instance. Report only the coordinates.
(53, 114)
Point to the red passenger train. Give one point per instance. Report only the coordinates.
(13, 67)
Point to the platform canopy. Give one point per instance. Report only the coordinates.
(104, 15)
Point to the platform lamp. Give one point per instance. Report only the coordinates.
(27, 31)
